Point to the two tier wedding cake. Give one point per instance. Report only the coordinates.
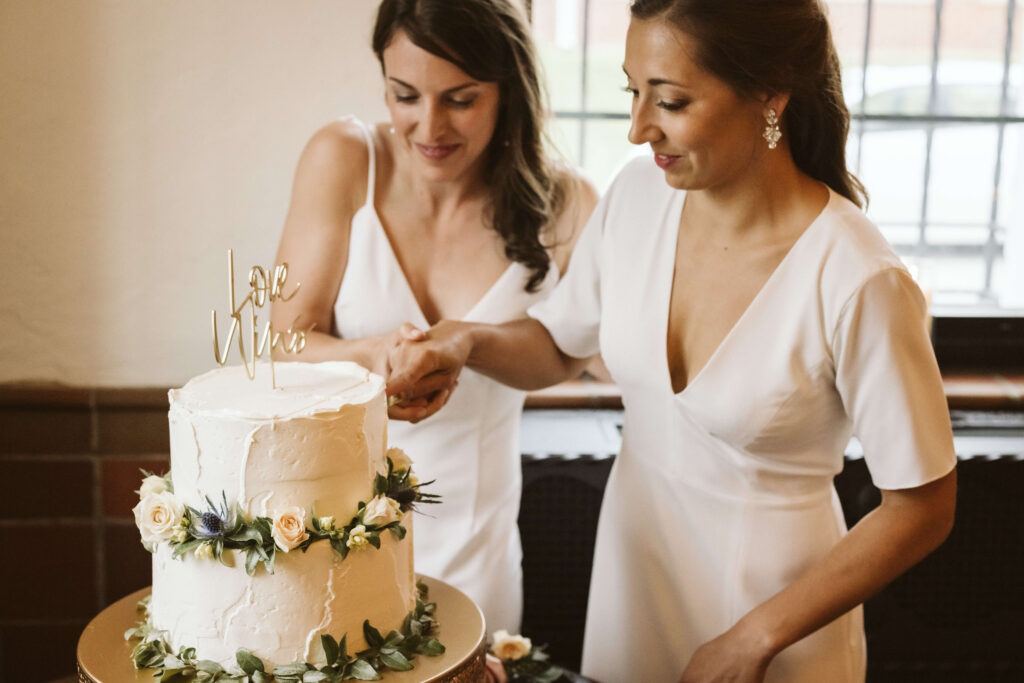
(281, 538)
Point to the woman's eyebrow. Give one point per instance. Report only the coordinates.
(448, 91)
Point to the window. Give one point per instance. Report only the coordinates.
(936, 93)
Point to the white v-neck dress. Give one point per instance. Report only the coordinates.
(471, 447)
(722, 494)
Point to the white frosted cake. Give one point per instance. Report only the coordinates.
(272, 480)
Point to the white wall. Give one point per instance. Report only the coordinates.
(139, 140)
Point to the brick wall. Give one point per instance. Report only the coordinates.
(69, 468)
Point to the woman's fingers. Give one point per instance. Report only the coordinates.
(411, 332)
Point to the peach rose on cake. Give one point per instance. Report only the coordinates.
(289, 529)
(158, 516)
(510, 647)
(382, 510)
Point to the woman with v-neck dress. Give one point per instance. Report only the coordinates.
(754, 320)
(450, 210)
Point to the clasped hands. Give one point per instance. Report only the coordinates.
(422, 368)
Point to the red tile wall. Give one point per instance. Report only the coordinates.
(69, 469)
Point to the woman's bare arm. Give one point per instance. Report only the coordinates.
(520, 353)
(330, 186)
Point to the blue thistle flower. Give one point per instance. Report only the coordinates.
(214, 523)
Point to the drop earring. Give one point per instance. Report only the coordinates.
(771, 131)
(391, 130)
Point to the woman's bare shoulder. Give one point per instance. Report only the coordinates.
(337, 155)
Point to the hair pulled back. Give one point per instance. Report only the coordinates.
(775, 46)
(489, 40)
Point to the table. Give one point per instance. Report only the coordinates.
(104, 656)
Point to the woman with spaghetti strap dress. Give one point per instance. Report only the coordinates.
(754, 319)
(449, 210)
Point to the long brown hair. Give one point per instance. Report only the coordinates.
(490, 41)
(775, 46)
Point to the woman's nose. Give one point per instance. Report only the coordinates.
(435, 120)
(641, 128)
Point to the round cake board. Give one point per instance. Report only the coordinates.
(104, 656)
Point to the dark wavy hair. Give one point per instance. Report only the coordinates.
(775, 46)
(490, 41)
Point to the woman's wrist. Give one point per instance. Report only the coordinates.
(756, 631)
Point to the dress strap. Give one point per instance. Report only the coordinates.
(368, 134)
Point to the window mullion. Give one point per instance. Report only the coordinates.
(922, 245)
(583, 81)
(869, 6)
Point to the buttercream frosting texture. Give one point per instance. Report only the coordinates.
(316, 441)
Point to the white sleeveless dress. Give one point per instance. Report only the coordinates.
(471, 447)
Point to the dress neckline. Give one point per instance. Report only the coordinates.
(422, 320)
(753, 305)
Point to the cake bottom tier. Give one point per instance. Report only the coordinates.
(279, 617)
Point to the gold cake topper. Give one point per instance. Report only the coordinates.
(261, 289)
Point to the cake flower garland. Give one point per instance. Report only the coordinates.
(394, 651)
(164, 518)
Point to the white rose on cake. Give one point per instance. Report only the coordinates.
(158, 516)
(289, 529)
(399, 460)
(510, 647)
(382, 510)
(152, 484)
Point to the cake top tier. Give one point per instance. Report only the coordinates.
(302, 389)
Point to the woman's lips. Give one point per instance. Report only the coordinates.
(436, 152)
(664, 160)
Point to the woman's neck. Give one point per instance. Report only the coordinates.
(438, 198)
(767, 203)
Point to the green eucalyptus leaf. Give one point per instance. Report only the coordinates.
(246, 534)
(269, 563)
(260, 677)
(209, 666)
(431, 647)
(314, 677)
(395, 660)
(374, 538)
(248, 662)
(295, 669)
(330, 646)
(373, 637)
(361, 670)
(172, 662)
(343, 647)
(186, 547)
(252, 558)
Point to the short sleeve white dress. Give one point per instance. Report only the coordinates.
(722, 494)
(471, 448)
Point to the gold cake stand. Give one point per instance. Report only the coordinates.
(104, 656)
